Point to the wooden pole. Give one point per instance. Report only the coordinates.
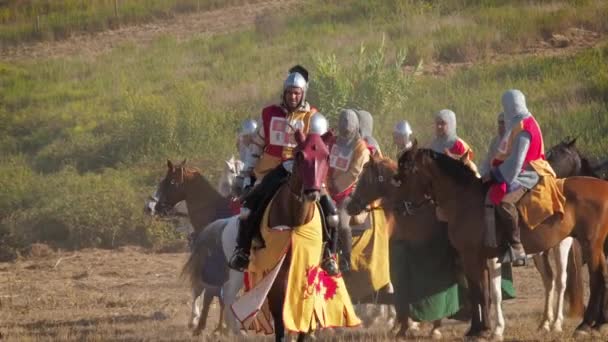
(116, 8)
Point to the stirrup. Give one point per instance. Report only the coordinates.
(239, 260)
(330, 266)
(518, 259)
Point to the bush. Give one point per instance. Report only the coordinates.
(373, 82)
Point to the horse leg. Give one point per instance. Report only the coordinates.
(477, 277)
(560, 255)
(195, 313)
(276, 300)
(220, 324)
(541, 261)
(596, 265)
(496, 293)
(202, 323)
(230, 290)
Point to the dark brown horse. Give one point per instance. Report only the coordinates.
(294, 205)
(461, 195)
(419, 218)
(567, 161)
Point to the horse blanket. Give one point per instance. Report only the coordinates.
(545, 199)
(313, 299)
(370, 269)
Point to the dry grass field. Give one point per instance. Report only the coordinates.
(130, 294)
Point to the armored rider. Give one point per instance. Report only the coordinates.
(270, 160)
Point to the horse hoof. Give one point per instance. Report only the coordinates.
(581, 334)
(497, 338)
(196, 332)
(603, 329)
(545, 327)
(436, 334)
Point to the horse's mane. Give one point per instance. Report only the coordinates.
(388, 163)
(456, 169)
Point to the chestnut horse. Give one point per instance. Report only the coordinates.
(419, 218)
(294, 205)
(461, 195)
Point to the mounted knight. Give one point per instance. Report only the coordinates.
(270, 159)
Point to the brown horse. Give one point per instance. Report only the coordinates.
(419, 218)
(205, 204)
(461, 195)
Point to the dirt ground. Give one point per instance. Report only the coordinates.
(132, 295)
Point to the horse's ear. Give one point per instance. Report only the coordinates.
(169, 164)
(228, 163)
(572, 142)
(182, 163)
(414, 145)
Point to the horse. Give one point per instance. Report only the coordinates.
(204, 205)
(461, 195)
(374, 184)
(567, 161)
(294, 205)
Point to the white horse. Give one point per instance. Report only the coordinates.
(225, 232)
(554, 282)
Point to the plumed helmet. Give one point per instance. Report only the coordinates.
(403, 128)
(248, 127)
(297, 78)
(318, 124)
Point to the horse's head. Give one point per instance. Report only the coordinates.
(171, 189)
(565, 158)
(311, 163)
(415, 171)
(374, 183)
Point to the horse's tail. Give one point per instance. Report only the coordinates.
(200, 249)
(574, 282)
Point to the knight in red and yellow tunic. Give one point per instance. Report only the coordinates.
(269, 158)
(512, 172)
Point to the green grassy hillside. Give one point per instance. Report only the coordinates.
(84, 140)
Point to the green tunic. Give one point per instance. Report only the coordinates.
(425, 276)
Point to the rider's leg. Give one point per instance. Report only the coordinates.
(345, 238)
(257, 201)
(330, 237)
(507, 211)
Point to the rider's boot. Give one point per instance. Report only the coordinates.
(240, 258)
(346, 244)
(509, 215)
